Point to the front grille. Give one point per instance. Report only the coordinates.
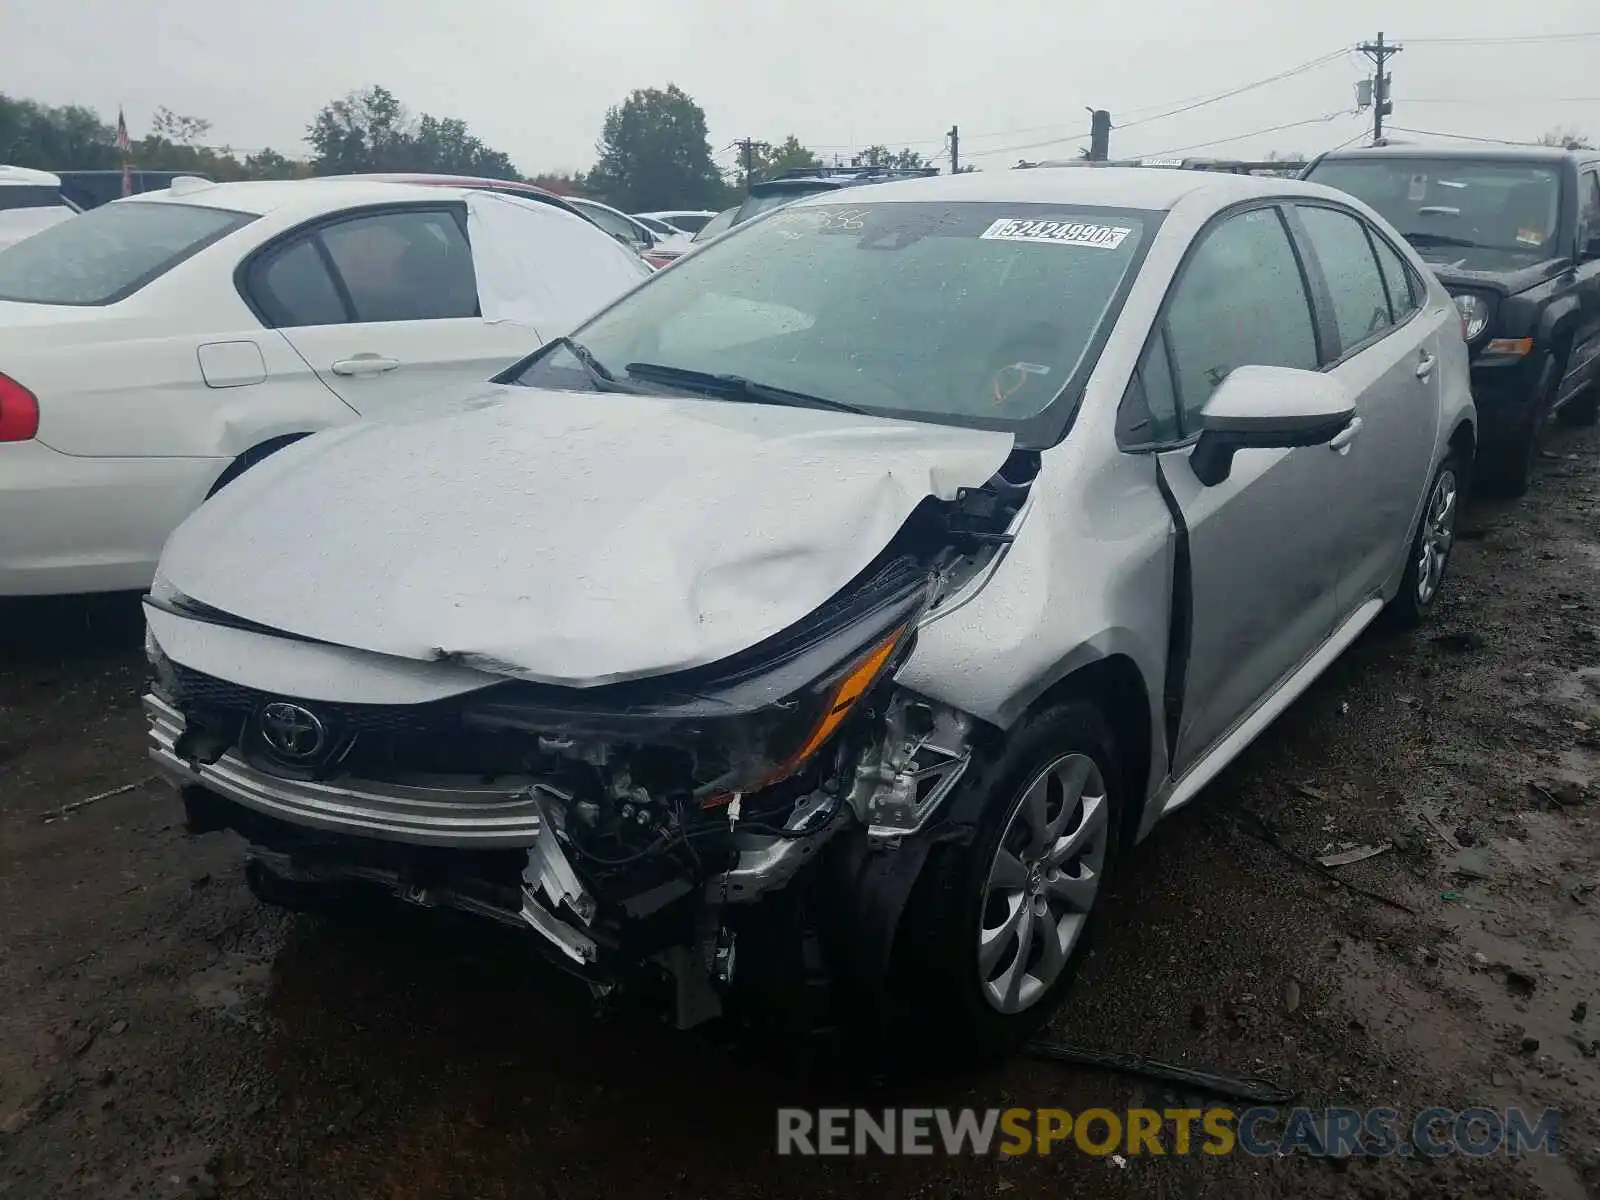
(195, 690)
(366, 741)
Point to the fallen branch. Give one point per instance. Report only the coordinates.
(1257, 1091)
(1267, 836)
(57, 813)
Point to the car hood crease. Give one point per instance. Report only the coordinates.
(567, 538)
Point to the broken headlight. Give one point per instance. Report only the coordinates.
(742, 724)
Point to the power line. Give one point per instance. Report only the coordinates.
(1462, 137)
(1253, 133)
(1496, 100)
(1190, 106)
(1515, 39)
(1079, 137)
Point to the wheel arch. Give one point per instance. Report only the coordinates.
(1115, 684)
(251, 457)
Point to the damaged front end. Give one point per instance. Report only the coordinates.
(629, 823)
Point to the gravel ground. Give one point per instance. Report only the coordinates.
(166, 1036)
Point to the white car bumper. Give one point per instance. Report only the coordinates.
(70, 524)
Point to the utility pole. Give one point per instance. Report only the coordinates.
(955, 150)
(1099, 135)
(1382, 106)
(747, 147)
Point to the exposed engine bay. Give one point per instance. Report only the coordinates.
(635, 819)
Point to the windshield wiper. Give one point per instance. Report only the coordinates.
(597, 372)
(736, 386)
(1420, 239)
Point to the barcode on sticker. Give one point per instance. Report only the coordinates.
(1060, 233)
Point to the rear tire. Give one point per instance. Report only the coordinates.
(1428, 556)
(974, 966)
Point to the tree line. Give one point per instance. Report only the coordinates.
(653, 150)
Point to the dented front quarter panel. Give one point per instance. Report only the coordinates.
(1088, 577)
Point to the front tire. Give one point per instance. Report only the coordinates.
(1428, 559)
(995, 928)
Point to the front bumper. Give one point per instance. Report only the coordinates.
(461, 815)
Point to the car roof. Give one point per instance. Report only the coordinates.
(666, 213)
(1155, 188)
(309, 196)
(1462, 151)
(27, 177)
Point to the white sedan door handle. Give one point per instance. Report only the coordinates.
(1425, 365)
(365, 364)
(1340, 442)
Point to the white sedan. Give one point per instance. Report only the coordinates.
(154, 348)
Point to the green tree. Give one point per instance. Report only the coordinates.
(559, 182)
(67, 138)
(654, 153)
(269, 164)
(373, 131)
(1567, 139)
(180, 130)
(882, 156)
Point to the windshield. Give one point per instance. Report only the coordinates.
(688, 222)
(109, 253)
(768, 199)
(971, 314)
(30, 196)
(1501, 206)
(617, 225)
(715, 225)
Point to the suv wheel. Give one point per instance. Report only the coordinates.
(1429, 555)
(995, 928)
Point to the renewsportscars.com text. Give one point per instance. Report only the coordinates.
(1331, 1132)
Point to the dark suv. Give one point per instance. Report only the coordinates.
(1514, 235)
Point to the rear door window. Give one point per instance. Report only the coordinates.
(1350, 269)
(1405, 289)
(293, 287)
(109, 253)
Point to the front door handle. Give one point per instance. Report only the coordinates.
(1340, 442)
(1425, 365)
(365, 364)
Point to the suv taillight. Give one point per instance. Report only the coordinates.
(19, 412)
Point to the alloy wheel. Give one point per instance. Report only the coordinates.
(1042, 882)
(1438, 536)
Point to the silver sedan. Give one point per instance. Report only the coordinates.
(872, 579)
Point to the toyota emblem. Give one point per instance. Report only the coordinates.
(292, 732)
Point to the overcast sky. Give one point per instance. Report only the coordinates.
(534, 77)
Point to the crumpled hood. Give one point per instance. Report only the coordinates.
(566, 538)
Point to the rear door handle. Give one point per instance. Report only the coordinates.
(1340, 442)
(365, 364)
(1425, 365)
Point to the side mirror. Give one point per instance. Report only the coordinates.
(1590, 250)
(1267, 408)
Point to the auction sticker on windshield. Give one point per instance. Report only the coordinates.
(1059, 233)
